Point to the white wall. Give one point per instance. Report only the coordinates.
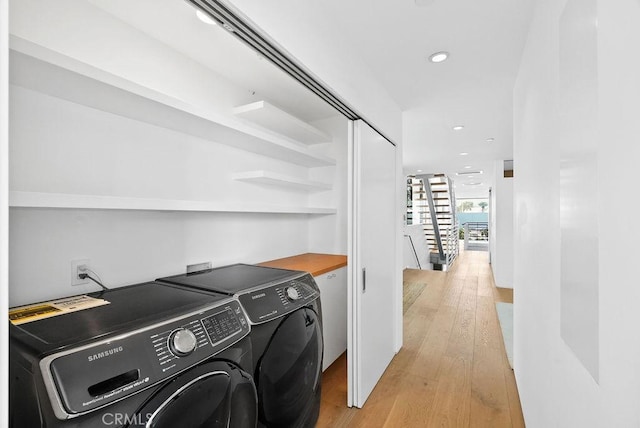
(60, 146)
(75, 149)
(327, 233)
(501, 217)
(416, 252)
(126, 247)
(556, 388)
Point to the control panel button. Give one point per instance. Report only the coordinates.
(182, 342)
(223, 325)
(292, 293)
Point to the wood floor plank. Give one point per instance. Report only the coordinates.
(451, 407)
(515, 408)
(429, 358)
(504, 295)
(490, 402)
(462, 334)
(452, 370)
(413, 406)
(419, 321)
(378, 406)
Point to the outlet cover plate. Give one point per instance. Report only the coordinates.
(75, 264)
(199, 267)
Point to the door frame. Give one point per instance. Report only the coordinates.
(4, 207)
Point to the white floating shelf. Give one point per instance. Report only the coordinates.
(271, 117)
(20, 199)
(38, 68)
(273, 178)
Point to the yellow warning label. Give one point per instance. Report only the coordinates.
(38, 311)
(23, 314)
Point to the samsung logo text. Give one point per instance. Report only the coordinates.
(106, 353)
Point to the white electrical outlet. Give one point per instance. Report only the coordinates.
(78, 267)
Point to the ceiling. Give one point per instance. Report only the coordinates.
(472, 88)
(394, 38)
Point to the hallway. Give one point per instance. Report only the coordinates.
(452, 370)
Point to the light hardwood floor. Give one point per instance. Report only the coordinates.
(452, 370)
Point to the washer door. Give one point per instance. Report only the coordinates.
(288, 375)
(214, 394)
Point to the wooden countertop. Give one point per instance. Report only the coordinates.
(314, 263)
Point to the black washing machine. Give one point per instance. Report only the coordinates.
(283, 307)
(156, 356)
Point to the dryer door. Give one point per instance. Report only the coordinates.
(288, 376)
(214, 394)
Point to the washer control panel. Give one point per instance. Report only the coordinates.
(200, 336)
(275, 300)
(94, 375)
(222, 325)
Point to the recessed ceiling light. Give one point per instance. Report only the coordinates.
(419, 170)
(439, 57)
(490, 140)
(458, 128)
(205, 18)
(463, 153)
(467, 166)
(471, 184)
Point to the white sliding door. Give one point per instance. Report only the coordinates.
(372, 295)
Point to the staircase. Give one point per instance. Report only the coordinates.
(433, 206)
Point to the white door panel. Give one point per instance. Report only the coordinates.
(372, 297)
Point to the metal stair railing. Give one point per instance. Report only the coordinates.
(436, 211)
(476, 233)
(452, 246)
(434, 218)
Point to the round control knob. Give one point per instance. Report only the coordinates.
(182, 342)
(292, 293)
